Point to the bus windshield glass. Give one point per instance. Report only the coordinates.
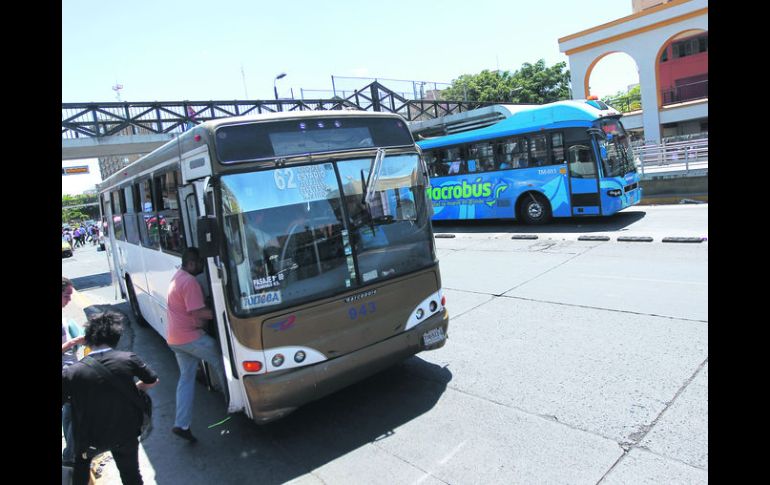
(295, 235)
(615, 148)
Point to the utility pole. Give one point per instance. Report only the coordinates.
(243, 75)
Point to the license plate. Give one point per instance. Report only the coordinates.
(433, 336)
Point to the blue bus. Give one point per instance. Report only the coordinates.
(562, 159)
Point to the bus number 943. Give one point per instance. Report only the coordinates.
(362, 311)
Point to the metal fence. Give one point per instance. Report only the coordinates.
(687, 157)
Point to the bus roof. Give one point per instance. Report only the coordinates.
(527, 118)
(184, 141)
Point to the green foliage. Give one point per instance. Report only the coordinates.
(78, 199)
(80, 212)
(532, 84)
(626, 101)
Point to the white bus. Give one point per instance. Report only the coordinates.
(316, 228)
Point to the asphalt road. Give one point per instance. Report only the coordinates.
(568, 361)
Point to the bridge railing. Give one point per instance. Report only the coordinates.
(95, 120)
(686, 155)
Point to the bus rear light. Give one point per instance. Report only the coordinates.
(197, 138)
(443, 300)
(277, 360)
(433, 306)
(252, 366)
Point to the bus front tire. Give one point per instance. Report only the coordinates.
(134, 303)
(534, 209)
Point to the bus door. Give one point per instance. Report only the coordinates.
(192, 198)
(584, 181)
(189, 206)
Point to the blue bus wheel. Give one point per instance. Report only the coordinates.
(534, 209)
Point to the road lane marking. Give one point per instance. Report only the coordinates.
(80, 299)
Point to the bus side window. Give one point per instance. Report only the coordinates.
(482, 154)
(504, 155)
(581, 164)
(454, 160)
(557, 151)
(521, 153)
(539, 150)
(472, 157)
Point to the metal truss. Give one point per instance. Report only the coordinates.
(96, 120)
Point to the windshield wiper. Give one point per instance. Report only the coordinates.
(374, 176)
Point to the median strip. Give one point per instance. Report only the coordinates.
(594, 238)
(635, 238)
(684, 239)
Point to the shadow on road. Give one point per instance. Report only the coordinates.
(240, 451)
(92, 281)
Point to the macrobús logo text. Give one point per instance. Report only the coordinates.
(447, 193)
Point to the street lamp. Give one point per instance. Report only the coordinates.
(275, 89)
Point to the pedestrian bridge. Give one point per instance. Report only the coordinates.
(92, 130)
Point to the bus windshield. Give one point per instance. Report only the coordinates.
(295, 235)
(615, 148)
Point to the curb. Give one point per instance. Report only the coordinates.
(635, 239)
(684, 239)
(594, 238)
(444, 236)
(524, 236)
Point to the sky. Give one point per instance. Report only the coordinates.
(172, 50)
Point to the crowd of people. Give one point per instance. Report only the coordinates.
(96, 417)
(81, 234)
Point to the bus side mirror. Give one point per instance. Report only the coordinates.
(207, 237)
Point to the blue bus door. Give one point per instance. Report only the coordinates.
(584, 181)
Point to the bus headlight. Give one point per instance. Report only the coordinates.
(299, 356)
(420, 314)
(615, 193)
(277, 360)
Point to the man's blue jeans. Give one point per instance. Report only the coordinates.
(187, 356)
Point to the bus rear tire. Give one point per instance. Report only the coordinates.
(135, 309)
(534, 209)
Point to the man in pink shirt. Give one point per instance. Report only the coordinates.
(187, 316)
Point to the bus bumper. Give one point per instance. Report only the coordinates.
(276, 394)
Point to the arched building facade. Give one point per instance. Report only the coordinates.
(669, 43)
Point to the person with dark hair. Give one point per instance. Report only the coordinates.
(187, 317)
(71, 339)
(103, 418)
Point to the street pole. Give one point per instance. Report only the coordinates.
(275, 89)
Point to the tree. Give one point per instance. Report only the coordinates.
(80, 211)
(626, 101)
(532, 84)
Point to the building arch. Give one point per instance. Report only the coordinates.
(643, 36)
(590, 69)
(661, 83)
